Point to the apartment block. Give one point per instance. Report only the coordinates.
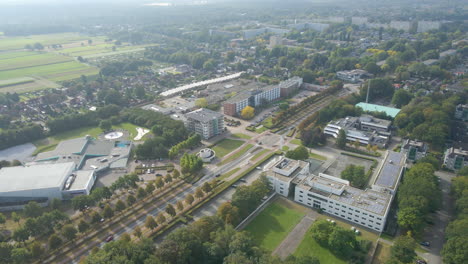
(205, 122)
(455, 158)
(414, 149)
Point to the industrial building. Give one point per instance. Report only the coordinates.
(335, 196)
(389, 111)
(205, 122)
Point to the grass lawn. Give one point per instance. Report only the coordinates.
(240, 135)
(273, 224)
(317, 156)
(226, 146)
(261, 129)
(268, 122)
(236, 155)
(296, 141)
(382, 253)
(285, 148)
(310, 247)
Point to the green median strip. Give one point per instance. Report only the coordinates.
(229, 173)
(236, 155)
(258, 155)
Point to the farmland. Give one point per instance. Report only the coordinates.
(25, 70)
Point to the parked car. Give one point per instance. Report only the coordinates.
(242, 180)
(217, 175)
(234, 186)
(158, 174)
(109, 238)
(421, 261)
(425, 243)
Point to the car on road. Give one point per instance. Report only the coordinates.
(102, 220)
(217, 175)
(109, 238)
(421, 261)
(234, 186)
(242, 180)
(425, 244)
(259, 168)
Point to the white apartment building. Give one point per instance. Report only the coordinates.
(205, 122)
(414, 149)
(455, 158)
(335, 196)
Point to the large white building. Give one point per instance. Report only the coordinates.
(42, 183)
(253, 98)
(205, 122)
(335, 196)
(365, 130)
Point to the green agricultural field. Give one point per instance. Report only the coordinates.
(226, 146)
(31, 60)
(44, 70)
(12, 43)
(273, 224)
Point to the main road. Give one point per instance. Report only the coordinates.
(128, 225)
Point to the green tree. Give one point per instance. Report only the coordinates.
(403, 249)
(36, 250)
(189, 199)
(341, 139)
(199, 193)
(137, 232)
(83, 226)
(161, 219)
(119, 206)
(131, 200)
(180, 205)
(150, 223)
(2, 219)
(20, 234)
(20, 255)
(321, 230)
(38, 46)
(150, 188)
(401, 98)
(32, 209)
(140, 92)
(159, 183)
(342, 241)
(69, 232)
(168, 178)
(141, 193)
(15, 217)
(170, 210)
(107, 212)
(175, 174)
(228, 213)
(300, 153)
(105, 125)
(54, 241)
(206, 187)
(95, 217)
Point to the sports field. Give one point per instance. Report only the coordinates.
(273, 224)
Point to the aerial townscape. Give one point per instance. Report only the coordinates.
(233, 132)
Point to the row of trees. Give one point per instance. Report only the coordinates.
(456, 246)
(207, 240)
(13, 137)
(190, 142)
(244, 201)
(418, 195)
(190, 163)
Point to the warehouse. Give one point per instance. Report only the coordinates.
(42, 183)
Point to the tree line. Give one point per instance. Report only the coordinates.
(456, 234)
